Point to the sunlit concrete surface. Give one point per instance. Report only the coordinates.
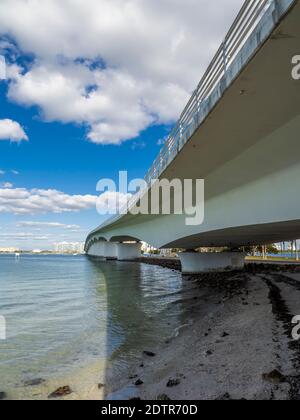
(194, 262)
(246, 148)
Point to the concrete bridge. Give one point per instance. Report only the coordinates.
(239, 132)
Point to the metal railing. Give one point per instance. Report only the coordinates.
(194, 113)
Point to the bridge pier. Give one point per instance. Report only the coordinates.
(128, 252)
(111, 251)
(97, 250)
(100, 248)
(196, 263)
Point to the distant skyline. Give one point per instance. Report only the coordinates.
(91, 88)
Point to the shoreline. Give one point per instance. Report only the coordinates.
(252, 265)
(236, 345)
(82, 382)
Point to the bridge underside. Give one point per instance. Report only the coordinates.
(247, 150)
(243, 236)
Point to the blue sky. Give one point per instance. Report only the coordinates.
(58, 156)
(89, 92)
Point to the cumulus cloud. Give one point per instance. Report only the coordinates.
(11, 130)
(23, 236)
(114, 66)
(7, 185)
(37, 201)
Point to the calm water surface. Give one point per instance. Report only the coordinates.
(66, 313)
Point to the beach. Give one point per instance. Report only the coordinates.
(236, 345)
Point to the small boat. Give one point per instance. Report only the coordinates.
(17, 255)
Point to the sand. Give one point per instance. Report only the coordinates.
(83, 382)
(238, 332)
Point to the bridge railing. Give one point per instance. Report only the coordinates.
(196, 109)
(192, 115)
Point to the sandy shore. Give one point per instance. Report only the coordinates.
(239, 332)
(83, 383)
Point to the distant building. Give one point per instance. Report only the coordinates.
(8, 250)
(37, 251)
(148, 249)
(167, 253)
(69, 248)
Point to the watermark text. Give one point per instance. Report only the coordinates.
(296, 329)
(2, 68)
(160, 197)
(296, 67)
(2, 328)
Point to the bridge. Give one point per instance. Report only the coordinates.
(240, 133)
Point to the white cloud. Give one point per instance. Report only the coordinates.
(154, 53)
(14, 172)
(23, 236)
(2, 172)
(73, 228)
(37, 201)
(7, 185)
(11, 130)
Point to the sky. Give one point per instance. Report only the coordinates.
(91, 88)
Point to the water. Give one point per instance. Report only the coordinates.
(287, 254)
(71, 319)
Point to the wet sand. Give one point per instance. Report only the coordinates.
(239, 331)
(83, 383)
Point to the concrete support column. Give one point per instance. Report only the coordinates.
(127, 252)
(195, 263)
(97, 249)
(92, 250)
(111, 251)
(100, 247)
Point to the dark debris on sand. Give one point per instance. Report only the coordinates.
(2, 395)
(139, 382)
(34, 382)
(61, 392)
(173, 382)
(163, 397)
(275, 377)
(149, 353)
